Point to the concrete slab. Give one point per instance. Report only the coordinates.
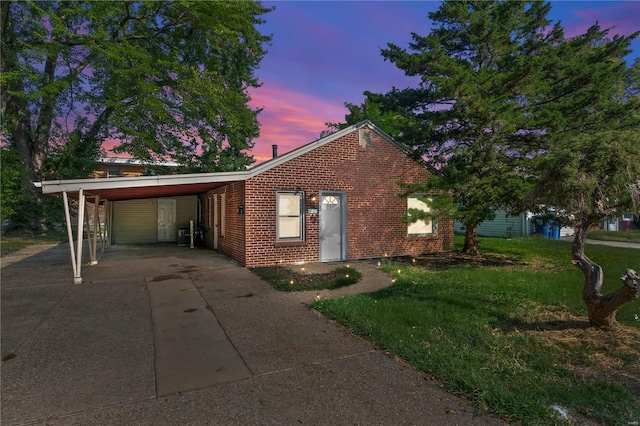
(78, 363)
(192, 349)
(23, 308)
(88, 355)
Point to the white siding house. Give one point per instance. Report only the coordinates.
(506, 226)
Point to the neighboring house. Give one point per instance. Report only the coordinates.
(332, 199)
(626, 222)
(503, 225)
(110, 167)
(507, 226)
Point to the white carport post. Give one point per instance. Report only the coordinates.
(103, 230)
(76, 274)
(108, 221)
(77, 278)
(96, 226)
(90, 240)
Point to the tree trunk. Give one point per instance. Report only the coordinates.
(601, 308)
(471, 241)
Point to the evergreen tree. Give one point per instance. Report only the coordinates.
(588, 167)
(516, 116)
(469, 117)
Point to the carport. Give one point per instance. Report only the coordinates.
(97, 193)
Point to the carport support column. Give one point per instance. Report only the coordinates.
(67, 217)
(96, 228)
(77, 278)
(92, 260)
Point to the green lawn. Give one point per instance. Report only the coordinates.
(15, 242)
(512, 339)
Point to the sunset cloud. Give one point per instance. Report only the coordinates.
(290, 119)
(622, 18)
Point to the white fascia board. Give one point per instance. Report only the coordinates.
(73, 185)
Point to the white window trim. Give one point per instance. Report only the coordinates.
(434, 222)
(301, 216)
(628, 217)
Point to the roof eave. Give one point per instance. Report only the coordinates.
(74, 185)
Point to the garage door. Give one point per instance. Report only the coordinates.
(134, 221)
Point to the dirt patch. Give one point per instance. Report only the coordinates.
(285, 279)
(613, 355)
(456, 259)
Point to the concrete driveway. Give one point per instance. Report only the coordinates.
(168, 335)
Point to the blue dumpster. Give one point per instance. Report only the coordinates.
(538, 229)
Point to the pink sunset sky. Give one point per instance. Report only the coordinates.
(326, 53)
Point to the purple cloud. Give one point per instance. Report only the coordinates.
(622, 18)
(292, 118)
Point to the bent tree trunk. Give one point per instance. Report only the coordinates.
(471, 241)
(601, 308)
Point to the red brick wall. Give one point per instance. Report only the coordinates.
(626, 225)
(368, 176)
(232, 243)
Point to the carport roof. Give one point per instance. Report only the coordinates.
(128, 188)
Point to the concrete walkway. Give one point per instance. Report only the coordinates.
(168, 335)
(614, 244)
(621, 244)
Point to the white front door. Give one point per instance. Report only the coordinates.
(167, 220)
(332, 226)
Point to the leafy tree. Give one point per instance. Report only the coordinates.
(154, 75)
(11, 177)
(76, 158)
(589, 165)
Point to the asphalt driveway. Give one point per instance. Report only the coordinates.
(169, 335)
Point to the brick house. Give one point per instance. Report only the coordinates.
(332, 199)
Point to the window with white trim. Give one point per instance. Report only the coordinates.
(628, 217)
(290, 216)
(113, 171)
(420, 227)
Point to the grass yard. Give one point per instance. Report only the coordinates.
(17, 241)
(623, 236)
(508, 330)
